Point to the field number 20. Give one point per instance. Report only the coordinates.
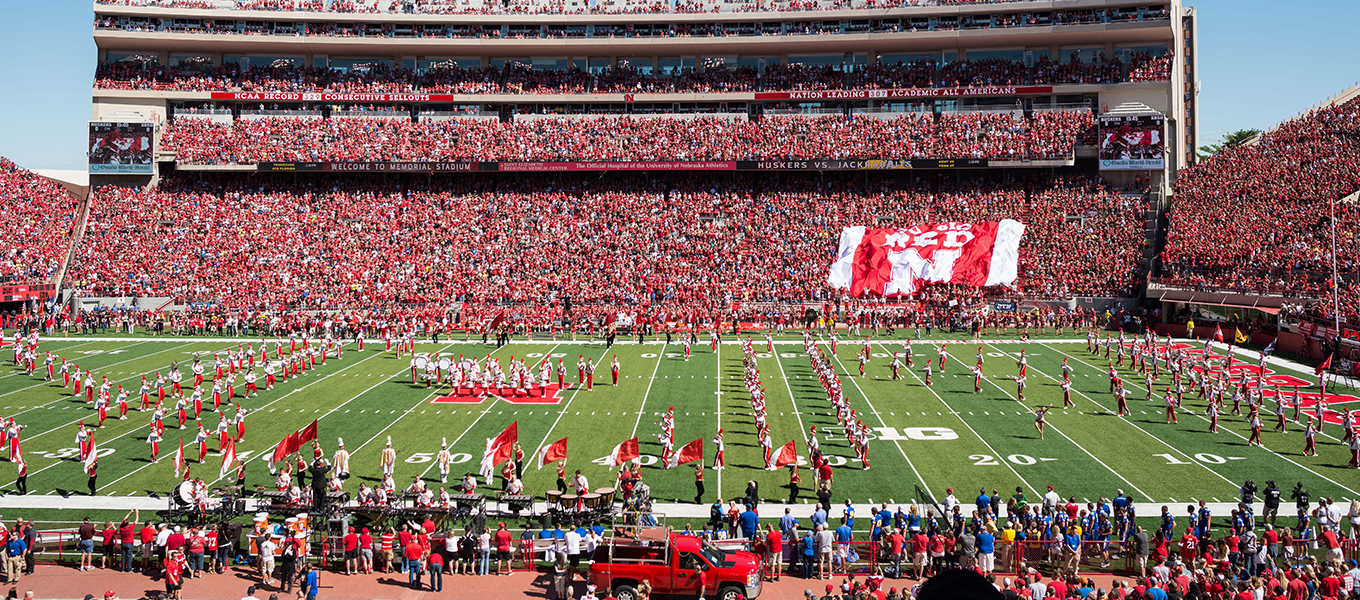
(987, 460)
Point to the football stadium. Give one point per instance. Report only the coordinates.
(868, 300)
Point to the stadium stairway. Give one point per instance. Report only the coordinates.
(77, 232)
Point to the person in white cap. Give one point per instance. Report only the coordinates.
(387, 462)
(444, 460)
(341, 461)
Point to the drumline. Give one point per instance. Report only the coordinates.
(299, 526)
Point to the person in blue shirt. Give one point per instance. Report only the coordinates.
(1121, 501)
(748, 521)
(809, 554)
(1071, 550)
(1203, 532)
(913, 520)
(986, 548)
(984, 502)
(818, 517)
(1168, 523)
(849, 513)
(311, 581)
(14, 555)
(843, 534)
(787, 523)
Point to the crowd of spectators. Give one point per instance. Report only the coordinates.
(685, 242)
(37, 223)
(153, 76)
(520, 78)
(445, 7)
(996, 135)
(1256, 217)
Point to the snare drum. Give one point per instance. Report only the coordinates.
(592, 501)
(567, 501)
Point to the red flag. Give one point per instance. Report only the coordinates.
(786, 456)
(689, 453)
(1218, 333)
(307, 434)
(552, 452)
(1326, 364)
(228, 457)
(286, 446)
(507, 437)
(623, 453)
(179, 457)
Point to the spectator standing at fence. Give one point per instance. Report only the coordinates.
(14, 559)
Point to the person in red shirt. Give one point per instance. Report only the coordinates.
(351, 552)
(920, 560)
(174, 575)
(896, 545)
(774, 545)
(502, 540)
(365, 552)
(110, 535)
(127, 534)
(1189, 544)
(1330, 586)
(413, 552)
(1297, 589)
(147, 536)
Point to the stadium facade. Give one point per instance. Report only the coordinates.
(1099, 54)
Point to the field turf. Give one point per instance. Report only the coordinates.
(935, 438)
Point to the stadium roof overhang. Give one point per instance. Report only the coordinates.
(1266, 304)
(921, 41)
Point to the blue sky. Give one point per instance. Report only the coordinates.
(1260, 62)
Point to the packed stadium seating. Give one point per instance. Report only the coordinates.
(37, 224)
(1001, 135)
(686, 241)
(516, 78)
(1255, 217)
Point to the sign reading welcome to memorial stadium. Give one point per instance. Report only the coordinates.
(718, 165)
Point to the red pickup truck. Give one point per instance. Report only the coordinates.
(671, 563)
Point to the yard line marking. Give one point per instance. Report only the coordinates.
(1134, 425)
(718, 352)
(881, 422)
(271, 403)
(642, 408)
(970, 427)
(1239, 436)
(1059, 432)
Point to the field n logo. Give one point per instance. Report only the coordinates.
(551, 394)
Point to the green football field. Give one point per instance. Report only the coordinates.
(931, 438)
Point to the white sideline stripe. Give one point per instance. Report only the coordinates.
(514, 342)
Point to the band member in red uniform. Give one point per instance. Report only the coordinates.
(614, 369)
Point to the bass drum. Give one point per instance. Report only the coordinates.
(183, 493)
(421, 361)
(444, 364)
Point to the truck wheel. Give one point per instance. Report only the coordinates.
(730, 592)
(625, 592)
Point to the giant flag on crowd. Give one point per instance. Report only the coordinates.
(896, 262)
